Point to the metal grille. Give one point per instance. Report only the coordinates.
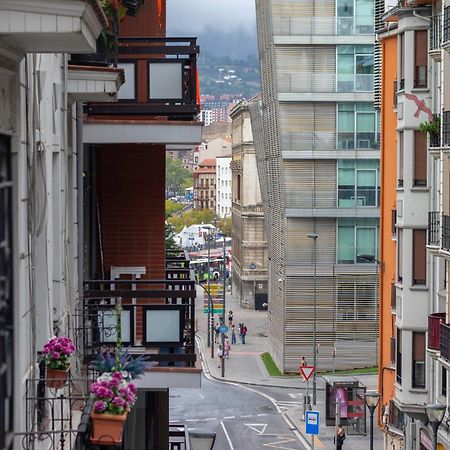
(445, 233)
(446, 25)
(434, 225)
(435, 32)
(6, 299)
(446, 128)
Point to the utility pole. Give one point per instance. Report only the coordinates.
(224, 310)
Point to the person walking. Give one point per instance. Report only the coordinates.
(233, 335)
(230, 318)
(219, 356)
(216, 334)
(227, 348)
(243, 333)
(340, 437)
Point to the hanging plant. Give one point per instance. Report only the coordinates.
(431, 127)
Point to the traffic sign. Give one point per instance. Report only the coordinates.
(307, 371)
(223, 328)
(312, 420)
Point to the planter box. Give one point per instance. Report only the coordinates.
(101, 58)
(107, 429)
(56, 378)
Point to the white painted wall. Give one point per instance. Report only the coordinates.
(223, 186)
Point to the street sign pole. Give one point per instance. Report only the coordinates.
(223, 334)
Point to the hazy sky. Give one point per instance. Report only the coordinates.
(191, 16)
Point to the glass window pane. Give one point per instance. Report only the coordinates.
(165, 81)
(345, 245)
(364, 8)
(346, 121)
(365, 122)
(346, 64)
(364, 64)
(365, 242)
(366, 187)
(162, 325)
(344, 8)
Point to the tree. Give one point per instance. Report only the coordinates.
(173, 207)
(191, 217)
(177, 177)
(170, 236)
(225, 225)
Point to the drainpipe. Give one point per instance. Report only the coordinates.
(80, 194)
(92, 215)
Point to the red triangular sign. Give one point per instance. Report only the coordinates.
(307, 371)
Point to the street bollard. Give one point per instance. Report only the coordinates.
(337, 420)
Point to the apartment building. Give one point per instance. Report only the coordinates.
(249, 254)
(316, 133)
(205, 185)
(413, 349)
(223, 186)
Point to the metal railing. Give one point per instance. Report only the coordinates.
(445, 233)
(178, 437)
(435, 32)
(322, 26)
(434, 330)
(444, 341)
(435, 140)
(446, 128)
(446, 25)
(168, 67)
(434, 228)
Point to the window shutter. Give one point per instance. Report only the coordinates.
(420, 58)
(418, 346)
(420, 158)
(419, 256)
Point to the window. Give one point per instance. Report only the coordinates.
(420, 58)
(443, 381)
(401, 50)
(393, 297)
(354, 17)
(355, 68)
(418, 362)
(400, 158)
(420, 158)
(358, 183)
(357, 237)
(398, 359)
(358, 126)
(393, 222)
(356, 299)
(419, 260)
(400, 255)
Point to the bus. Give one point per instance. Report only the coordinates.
(200, 267)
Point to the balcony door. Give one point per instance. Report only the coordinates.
(6, 300)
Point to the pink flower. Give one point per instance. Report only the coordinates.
(56, 355)
(99, 406)
(118, 401)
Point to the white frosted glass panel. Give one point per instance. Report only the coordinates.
(165, 81)
(163, 325)
(107, 324)
(127, 90)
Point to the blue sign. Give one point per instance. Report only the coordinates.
(312, 420)
(223, 328)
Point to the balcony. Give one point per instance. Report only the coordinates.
(446, 128)
(446, 29)
(160, 79)
(434, 328)
(322, 26)
(434, 142)
(434, 228)
(444, 341)
(445, 233)
(157, 320)
(435, 37)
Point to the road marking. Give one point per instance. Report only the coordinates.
(210, 418)
(201, 396)
(247, 415)
(227, 436)
(254, 426)
(230, 417)
(191, 420)
(283, 441)
(260, 415)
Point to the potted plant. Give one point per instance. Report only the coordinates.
(112, 395)
(57, 352)
(433, 128)
(132, 6)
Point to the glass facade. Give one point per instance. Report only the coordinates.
(357, 126)
(357, 237)
(358, 183)
(355, 68)
(354, 17)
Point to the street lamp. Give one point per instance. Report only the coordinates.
(435, 413)
(372, 259)
(372, 398)
(210, 305)
(201, 440)
(314, 237)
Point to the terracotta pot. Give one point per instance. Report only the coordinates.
(107, 429)
(56, 378)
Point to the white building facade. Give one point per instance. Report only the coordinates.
(223, 186)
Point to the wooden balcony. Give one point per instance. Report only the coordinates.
(434, 329)
(160, 80)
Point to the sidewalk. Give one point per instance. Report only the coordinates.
(246, 366)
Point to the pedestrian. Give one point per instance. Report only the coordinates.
(233, 335)
(226, 348)
(219, 356)
(340, 437)
(240, 332)
(303, 363)
(216, 334)
(230, 318)
(243, 333)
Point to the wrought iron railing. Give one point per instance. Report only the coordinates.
(434, 330)
(434, 228)
(435, 140)
(445, 233)
(435, 32)
(178, 437)
(446, 25)
(446, 128)
(141, 302)
(444, 341)
(161, 79)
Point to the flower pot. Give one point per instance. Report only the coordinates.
(56, 378)
(107, 429)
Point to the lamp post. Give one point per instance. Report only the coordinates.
(210, 303)
(372, 259)
(201, 440)
(314, 236)
(435, 413)
(372, 398)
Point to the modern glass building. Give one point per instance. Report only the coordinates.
(316, 135)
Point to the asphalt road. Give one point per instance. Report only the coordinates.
(242, 418)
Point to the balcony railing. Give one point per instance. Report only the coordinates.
(160, 79)
(445, 233)
(434, 330)
(444, 341)
(435, 140)
(446, 25)
(434, 228)
(322, 26)
(145, 305)
(435, 32)
(446, 128)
